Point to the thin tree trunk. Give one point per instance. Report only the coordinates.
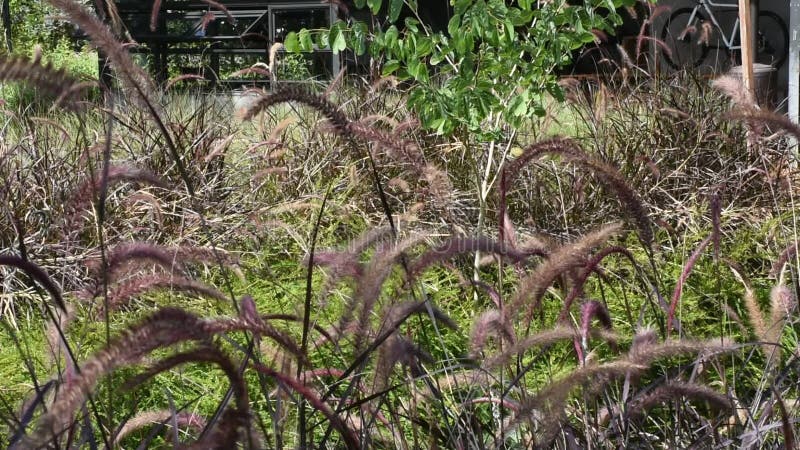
(7, 24)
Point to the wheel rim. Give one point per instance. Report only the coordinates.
(772, 41)
(687, 44)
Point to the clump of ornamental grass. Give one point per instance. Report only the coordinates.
(164, 418)
(165, 328)
(397, 148)
(395, 370)
(78, 205)
(532, 287)
(605, 173)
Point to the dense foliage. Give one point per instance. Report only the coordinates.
(494, 65)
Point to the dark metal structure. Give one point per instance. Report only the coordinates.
(193, 37)
(190, 37)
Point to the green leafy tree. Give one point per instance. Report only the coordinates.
(33, 22)
(481, 79)
(493, 67)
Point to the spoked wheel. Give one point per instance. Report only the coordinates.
(685, 38)
(773, 40)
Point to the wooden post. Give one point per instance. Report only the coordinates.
(746, 38)
(794, 60)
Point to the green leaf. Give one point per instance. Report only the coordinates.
(304, 38)
(395, 6)
(337, 38)
(358, 38)
(424, 47)
(291, 43)
(389, 67)
(323, 40)
(454, 25)
(412, 24)
(374, 6)
(391, 37)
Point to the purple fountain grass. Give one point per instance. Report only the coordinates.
(221, 8)
(125, 292)
(299, 94)
(155, 11)
(162, 329)
(146, 418)
(248, 310)
(647, 22)
(372, 119)
(497, 299)
(731, 314)
(763, 117)
(350, 438)
(277, 131)
(56, 344)
(461, 245)
(489, 323)
(465, 379)
(593, 310)
(395, 314)
(675, 390)
(369, 285)
(83, 196)
(337, 81)
(646, 353)
(590, 267)
(399, 149)
(715, 208)
(550, 400)
(120, 258)
(735, 90)
(397, 350)
(38, 275)
(570, 150)
(504, 402)
(181, 78)
(532, 287)
(786, 255)
(406, 126)
(347, 262)
(643, 337)
(342, 264)
(165, 328)
(225, 432)
(789, 440)
(226, 325)
(782, 302)
(325, 335)
(542, 339)
(687, 270)
(327, 372)
(754, 314)
(151, 205)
